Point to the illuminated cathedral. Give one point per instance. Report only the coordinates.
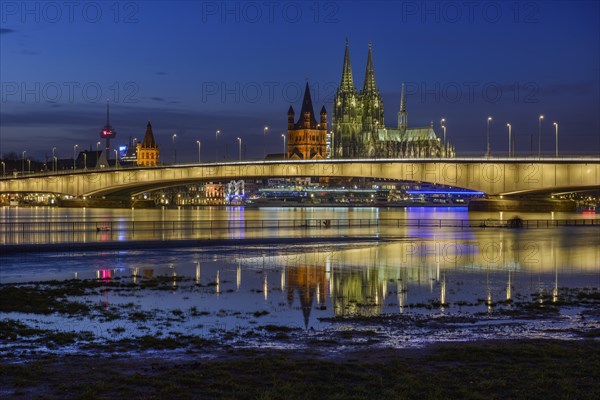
(359, 129)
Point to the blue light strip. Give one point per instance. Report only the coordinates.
(442, 192)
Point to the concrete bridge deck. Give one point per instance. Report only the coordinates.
(494, 176)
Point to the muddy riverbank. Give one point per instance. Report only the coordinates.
(526, 369)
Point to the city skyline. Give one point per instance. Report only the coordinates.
(239, 69)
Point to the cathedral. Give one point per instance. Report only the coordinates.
(359, 129)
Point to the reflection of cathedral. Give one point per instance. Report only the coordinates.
(310, 283)
(358, 123)
(358, 292)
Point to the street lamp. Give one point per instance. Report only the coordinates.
(284, 148)
(442, 122)
(540, 136)
(174, 151)
(3, 168)
(488, 152)
(97, 154)
(332, 145)
(265, 130)
(23, 162)
(116, 159)
(54, 159)
(217, 145)
(85, 160)
(28, 166)
(239, 139)
(556, 132)
(509, 126)
(74, 153)
(199, 144)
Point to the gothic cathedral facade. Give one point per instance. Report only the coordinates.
(358, 124)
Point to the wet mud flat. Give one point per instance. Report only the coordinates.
(58, 341)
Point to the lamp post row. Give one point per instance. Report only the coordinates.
(283, 136)
(511, 151)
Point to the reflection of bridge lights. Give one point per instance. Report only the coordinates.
(266, 287)
(218, 284)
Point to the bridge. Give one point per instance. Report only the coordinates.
(493, 176)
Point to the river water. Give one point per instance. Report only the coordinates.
(44, 225)
(51, 214)
(413, 270)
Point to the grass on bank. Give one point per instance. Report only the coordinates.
(531, 369)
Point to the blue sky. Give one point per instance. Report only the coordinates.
(195, 67)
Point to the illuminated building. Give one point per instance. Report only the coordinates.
(306, 138)
(147, 150)
(214, 193)
(358, 124)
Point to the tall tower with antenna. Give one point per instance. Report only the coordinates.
(107, 132)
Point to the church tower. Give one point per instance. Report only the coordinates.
(307, 139)
(346, 121)
(402, 116)
(147, 150)
(372, 103)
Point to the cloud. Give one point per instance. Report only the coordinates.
(157, 98)
(123, 118)
(161, 73)
(6, 30)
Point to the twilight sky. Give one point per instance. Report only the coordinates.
(193, 67)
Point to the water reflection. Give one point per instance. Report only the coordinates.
(441, 272)
(304, 281)
(47, 225)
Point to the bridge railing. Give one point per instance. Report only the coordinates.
(101, 231)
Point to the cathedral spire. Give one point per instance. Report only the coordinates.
(402, 115)
(402, 105)
(369, 85)
(347, 83)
